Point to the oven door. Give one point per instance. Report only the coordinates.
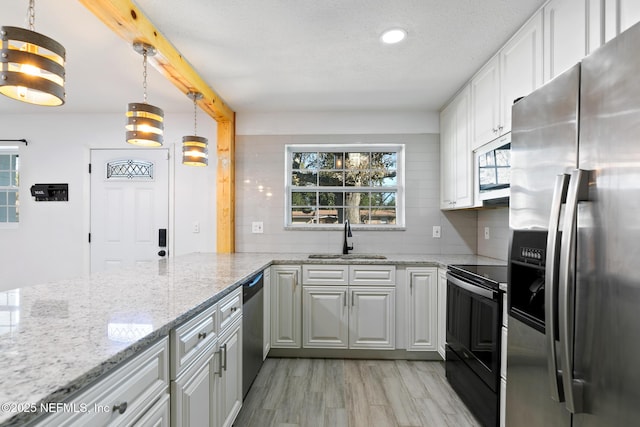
(473, 328)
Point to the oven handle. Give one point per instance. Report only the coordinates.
(551, 283)
(578, 191)
(469, 287)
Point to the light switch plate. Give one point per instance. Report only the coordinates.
(486, 233)
(257, 227)
(436, 231)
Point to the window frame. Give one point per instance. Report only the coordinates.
(399, 188)
(11, 150)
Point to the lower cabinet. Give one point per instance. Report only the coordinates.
(354, 317)
(286, 306)
(423, 305)
(230, 377)
(442, 311)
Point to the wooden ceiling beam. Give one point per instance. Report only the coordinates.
(129, 22)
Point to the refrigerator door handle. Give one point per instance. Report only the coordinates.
(578, 191)
(551, 285)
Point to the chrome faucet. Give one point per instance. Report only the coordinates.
(347, 233)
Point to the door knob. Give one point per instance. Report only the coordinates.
(162, 253)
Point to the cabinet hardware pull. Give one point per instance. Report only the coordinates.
(120, 407)
(220, 363)
(202, 335)
(225, 357)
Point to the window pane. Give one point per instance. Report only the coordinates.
(504, 175)
(303, 198)
(302, 215)
(331, 199)
(383, 199)
(304, 179)
(383, 178)
(329, 215)
(357, 178)
(12, 196)
(331, 179)
(3, 214)
(304, 161)
(330, 160)
(357, 160)
(5, 179)
(383, 215)
(5, 162)
(3, 198)
(13, 214)
(384, 161)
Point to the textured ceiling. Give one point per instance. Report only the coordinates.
(282, 55)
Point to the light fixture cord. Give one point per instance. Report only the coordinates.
(144, 73)
(195, 116)
(31, 15)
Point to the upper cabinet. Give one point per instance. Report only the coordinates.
(565, 35)
(514, 72)
(456, 182)
(619, 15)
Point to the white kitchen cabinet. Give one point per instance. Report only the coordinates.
(442, 312)
(325, 317)
(566, 35)
(372, 317)
(158, 416)
(514, 72)
(286, 306)
(423, 308)
(619, 15)
(456, 174)
(266, 333)
(360, 315)
(230, 376)
(195, 392)
(124, 396)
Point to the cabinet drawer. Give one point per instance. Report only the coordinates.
(230, 309)
(325, 275)
(372, 275)
(124, 395)
(188, 339)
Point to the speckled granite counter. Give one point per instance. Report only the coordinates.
(63, 336)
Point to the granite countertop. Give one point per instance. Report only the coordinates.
(63, 336)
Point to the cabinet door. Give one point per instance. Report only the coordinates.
(286, 301)
(266, 333)
(463, 154)
(158, 415)
(520, 68)
(442, 311)
(372, 317)
(423, 307)
(194, 394)
(485, 104)
(565, 35)
(230, 400)
(447, 157)
(619, 15)
(326, 317)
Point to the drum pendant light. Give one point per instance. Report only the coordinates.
(195, 150)
(31, 65)
(144, 121)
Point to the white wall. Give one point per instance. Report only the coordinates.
(50, 242)
(260, 183)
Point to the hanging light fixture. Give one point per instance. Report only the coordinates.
(195, 150)
(31, 65)
(144, 121)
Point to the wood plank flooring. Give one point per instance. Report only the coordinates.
(352, 393)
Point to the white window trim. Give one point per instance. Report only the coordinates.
(10, 149)
(399, 149)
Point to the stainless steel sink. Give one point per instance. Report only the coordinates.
(347, 256)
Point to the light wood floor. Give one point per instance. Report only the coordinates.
(353, 393)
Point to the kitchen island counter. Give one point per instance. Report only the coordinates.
(66, 335)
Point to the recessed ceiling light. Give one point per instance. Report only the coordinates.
(394, 35)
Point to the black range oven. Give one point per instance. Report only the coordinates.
(474, 322)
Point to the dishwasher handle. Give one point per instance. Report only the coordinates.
(252, 286)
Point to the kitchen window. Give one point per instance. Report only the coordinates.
(328, 184)
(9, 180)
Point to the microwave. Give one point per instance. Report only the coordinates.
(492, 172)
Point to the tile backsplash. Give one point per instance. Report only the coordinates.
(260, 196)
(497, 246)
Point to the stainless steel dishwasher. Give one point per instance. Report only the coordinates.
(252, 329)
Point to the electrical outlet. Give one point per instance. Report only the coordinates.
(257, 227)
(196, 227)
(436, 231)
(486, 233)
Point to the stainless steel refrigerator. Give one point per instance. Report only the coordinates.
(573, 354)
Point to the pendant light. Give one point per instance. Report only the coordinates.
(31, 65)
(144, 121)
(195, 150)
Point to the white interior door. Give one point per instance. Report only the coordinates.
(129, 207)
